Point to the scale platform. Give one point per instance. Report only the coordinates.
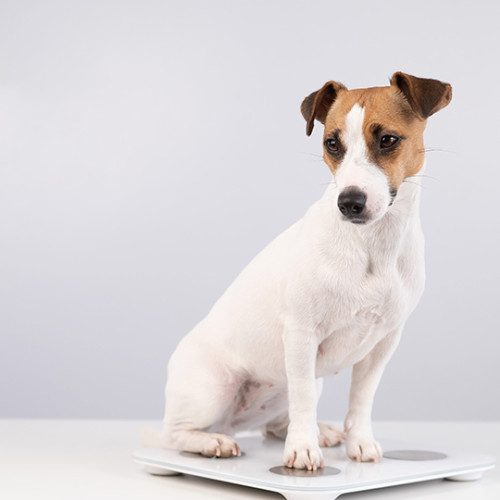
(260, 466)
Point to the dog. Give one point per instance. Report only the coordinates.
(332, 291)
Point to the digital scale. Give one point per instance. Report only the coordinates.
(260, 466)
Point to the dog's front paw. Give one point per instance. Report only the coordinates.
(363, 448)
(302, 453)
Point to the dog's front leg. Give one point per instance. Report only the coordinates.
(301, 446)
(360, 443)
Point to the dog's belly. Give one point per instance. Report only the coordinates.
(254, 404)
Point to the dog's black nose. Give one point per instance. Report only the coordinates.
(351, 202)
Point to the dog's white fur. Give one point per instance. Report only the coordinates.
(324, 295)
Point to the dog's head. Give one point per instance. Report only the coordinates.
(373, 138)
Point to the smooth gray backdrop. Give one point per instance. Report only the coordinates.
(149, 149)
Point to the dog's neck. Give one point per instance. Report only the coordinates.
(382, 240)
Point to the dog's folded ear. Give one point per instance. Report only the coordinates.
(316, 105)
(424, 95)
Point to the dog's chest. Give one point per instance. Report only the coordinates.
(361, 310)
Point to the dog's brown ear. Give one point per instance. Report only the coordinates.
(425, 96)
(316, 105)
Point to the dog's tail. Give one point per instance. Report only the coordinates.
(150, 438)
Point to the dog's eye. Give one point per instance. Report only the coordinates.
(332, 145)
(387, 141)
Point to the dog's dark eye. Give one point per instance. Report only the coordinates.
(332, 145)
(387, 141)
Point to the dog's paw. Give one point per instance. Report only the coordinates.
(218, 445)
(330, 435)
(302, 453)
(363, 448)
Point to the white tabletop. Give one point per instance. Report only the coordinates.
(76, 459)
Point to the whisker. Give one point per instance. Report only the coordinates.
(434, 150)
(311, 154)
(332, 182)
(426, 176)
(413, 182)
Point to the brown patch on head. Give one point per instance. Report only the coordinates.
(397, 112)
(387, 114)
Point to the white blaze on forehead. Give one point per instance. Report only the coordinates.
(357, 170)
(353, 137)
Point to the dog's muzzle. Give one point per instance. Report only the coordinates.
(351, 203)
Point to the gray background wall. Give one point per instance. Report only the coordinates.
(150, 149)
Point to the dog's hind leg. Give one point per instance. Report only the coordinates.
(209, 444)
(200, 397)
(329, 435)
(278, 427)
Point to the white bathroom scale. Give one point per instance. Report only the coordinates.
(260, 466)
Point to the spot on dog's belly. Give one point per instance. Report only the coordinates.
(245, 393)
(255, 403)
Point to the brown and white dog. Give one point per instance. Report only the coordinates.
(332, 291)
